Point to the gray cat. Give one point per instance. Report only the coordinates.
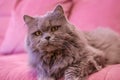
(57, 49)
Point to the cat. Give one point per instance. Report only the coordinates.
(57, 49)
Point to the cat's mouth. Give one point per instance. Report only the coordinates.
(48, 43)
(51, 46)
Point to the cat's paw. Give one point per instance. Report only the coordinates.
(98, 68)
(45, 78)
(39, 78)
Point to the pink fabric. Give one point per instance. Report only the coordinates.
(16, 68)
(14, 38)
(89, 14)
(109, 73)
(85, 14)
(5, 10)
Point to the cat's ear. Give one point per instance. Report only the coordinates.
(28, 19)
(59, 9)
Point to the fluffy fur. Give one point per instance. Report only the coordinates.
(107, 41)
(57, 48)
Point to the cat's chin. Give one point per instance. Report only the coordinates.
(49, 47)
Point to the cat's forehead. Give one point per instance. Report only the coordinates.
(49, 19)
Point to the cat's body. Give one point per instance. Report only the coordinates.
(107, 41)
(58, 49)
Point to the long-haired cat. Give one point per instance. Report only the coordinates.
(57, 49)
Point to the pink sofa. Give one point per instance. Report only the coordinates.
(85, 14)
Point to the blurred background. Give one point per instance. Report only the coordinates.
(86, 15)
(5, 12)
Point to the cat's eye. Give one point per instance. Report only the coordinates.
(37, 33)
(55, 28)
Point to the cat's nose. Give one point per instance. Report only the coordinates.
(47, 38)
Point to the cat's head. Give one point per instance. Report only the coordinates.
(50, 31)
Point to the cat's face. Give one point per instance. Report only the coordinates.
(49, 32)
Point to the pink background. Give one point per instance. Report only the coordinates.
(84, 14)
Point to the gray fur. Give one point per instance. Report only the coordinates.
(67, 52)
